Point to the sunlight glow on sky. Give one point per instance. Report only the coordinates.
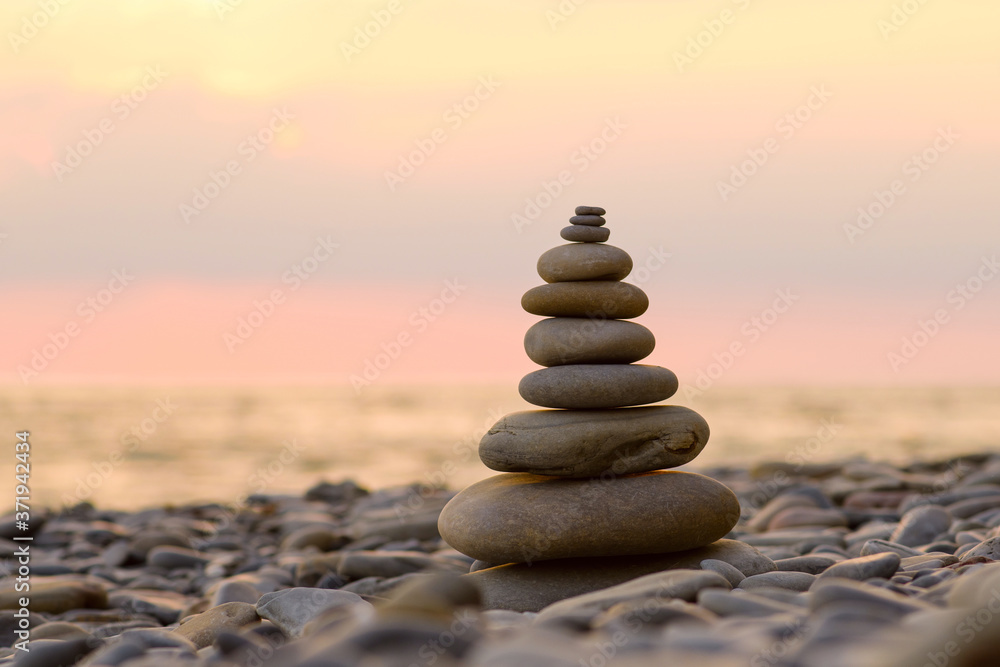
(285, 119)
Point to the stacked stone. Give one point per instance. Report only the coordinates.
(586, 478)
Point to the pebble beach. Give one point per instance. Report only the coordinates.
(853, 563)
(591, 547)
(320, 351)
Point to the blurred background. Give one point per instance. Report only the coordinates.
(291, 237)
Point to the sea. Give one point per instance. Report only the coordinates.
(133, 447)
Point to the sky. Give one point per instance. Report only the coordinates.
(255, 191)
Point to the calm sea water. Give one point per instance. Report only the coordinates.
(132, 447)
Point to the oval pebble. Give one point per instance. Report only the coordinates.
(793, 581)
(558, 341)
(881, 546)
(171, 557)
(584, 261)
(921, 525)
(591, 443)
(798, 517)
(586, 298)
(521, 518)
(592, 220)
(589, 386)
(731, 574)
(585, 234)
(590, 210)
(880, 565)
(812, 564)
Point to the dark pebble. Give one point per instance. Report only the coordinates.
(593, 220)
(585, 234)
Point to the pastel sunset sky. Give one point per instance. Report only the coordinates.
(295, 191)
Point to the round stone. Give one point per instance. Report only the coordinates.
(522, 518)
(590, 386)
(584, 234)
(591, 443)
(589, 210)
(578, 340)
(584, 261)
(881, 566)
(586, 298)
(593, 220)
(921, 525)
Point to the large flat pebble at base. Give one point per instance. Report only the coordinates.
(522, 518)
(594, 299)
(589, 443)
(593, 386)
(523, 587)
(584, 261)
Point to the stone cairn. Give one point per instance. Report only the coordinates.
(580, 478)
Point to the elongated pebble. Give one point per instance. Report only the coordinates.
(594, 220)
(584, 261)
(590, 443)
(793, 581)
(591, 386)
(595, 299)
(881, 565)
(558, 341)
(521, 518)
(585, 234)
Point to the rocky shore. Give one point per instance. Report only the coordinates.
(855, 563)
